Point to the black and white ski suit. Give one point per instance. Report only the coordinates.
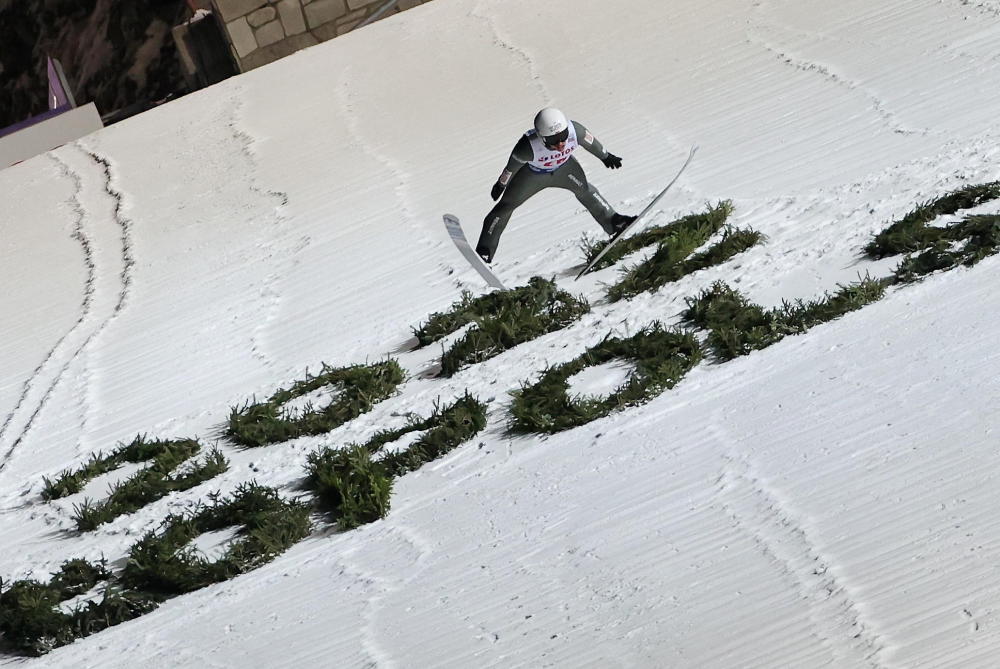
(533, 167)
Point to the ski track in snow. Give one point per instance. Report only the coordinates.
(991, 7)
(270, 296)
(413, 544)
(764, 515)
(399, 176)
(101, 284)
(828, 72)
(983, 8)
(81, 391)
(529, 61)
(415, 550)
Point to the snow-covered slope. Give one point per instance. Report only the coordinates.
(829, 501)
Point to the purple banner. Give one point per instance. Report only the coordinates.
(60, 100)
(59, 94)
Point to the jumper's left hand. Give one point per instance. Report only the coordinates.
(612, 162)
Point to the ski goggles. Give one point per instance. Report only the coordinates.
(556, 139)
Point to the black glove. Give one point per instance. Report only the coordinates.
(612, 162)
(498, 189)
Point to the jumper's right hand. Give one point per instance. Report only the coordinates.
(497, 191)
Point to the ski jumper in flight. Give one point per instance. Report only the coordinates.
(543, 158)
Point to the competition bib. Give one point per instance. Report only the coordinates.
(546, 159)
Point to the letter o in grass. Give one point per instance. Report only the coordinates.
(661, 358)
(361, 387)
(32, 621)
(163, 562)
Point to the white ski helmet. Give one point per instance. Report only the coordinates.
(550, 123)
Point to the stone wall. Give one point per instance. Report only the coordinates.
(262, 31)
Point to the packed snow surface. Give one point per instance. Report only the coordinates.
(829, 501)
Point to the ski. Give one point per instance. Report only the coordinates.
(640, 218)
(454, 227)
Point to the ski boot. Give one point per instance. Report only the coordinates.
(485, 255)
(618, 224)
